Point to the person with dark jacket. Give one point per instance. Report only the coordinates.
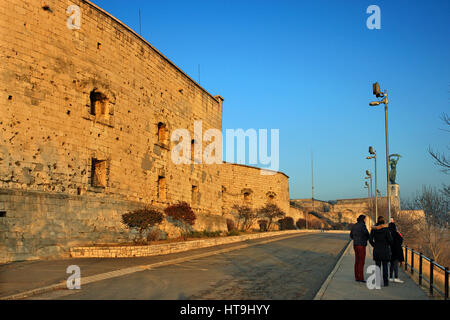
(381, 240)
(397, 253)
(360, 235)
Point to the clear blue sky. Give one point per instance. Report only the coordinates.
(307, 68)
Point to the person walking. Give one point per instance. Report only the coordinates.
(381, 240)
(397, 253)
(360, 235)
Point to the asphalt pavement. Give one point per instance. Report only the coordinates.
(290, 268)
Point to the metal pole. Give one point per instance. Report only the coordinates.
(371, 197)
(388, 193)
(376, 189)
(312, 180)
(420, 269)
(431, 276)
(368, 202)
(368, 196)
(446, 283)
(406, 258)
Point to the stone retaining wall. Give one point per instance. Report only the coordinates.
(166, 248)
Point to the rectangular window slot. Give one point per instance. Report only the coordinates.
(161, 188)
(98, 173)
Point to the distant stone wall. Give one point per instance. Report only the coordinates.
(296, 214)
(244, 185)
(343, 210)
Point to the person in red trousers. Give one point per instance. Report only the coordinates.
(360, 235)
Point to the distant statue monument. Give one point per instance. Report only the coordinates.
(393, 164)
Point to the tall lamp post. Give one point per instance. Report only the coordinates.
(377, 92)
(374, 156)
(369, 176)
(366, 186)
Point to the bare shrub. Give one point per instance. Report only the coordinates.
(262, 225)
(230, 225)
(429, 233)
(286, 223)
(301, 223)
(183, 213)
(153, 235)
(142, 220)
(245, 216)
(271, 212)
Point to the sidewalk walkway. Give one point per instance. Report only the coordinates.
(342, 285)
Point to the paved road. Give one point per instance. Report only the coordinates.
(292, 268)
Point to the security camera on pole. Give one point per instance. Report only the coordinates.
(377, 92)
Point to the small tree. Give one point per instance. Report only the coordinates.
(441, 159)
(301, 223)
(230, 225)
(245, 216)
(286, 223)
(262, 225)
(183, 213)
(271, 212)
(142, 220)
(434, 232)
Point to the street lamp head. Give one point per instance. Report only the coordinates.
(371, 150)
(376, 90)
(374, 103)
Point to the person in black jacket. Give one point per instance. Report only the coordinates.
(360, 235)
(381, 240)
(397, 253)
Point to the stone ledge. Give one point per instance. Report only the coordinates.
(166, 248)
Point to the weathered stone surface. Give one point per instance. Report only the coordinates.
(51, 80)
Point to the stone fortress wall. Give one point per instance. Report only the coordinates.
(85, 123)
(345, 210)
